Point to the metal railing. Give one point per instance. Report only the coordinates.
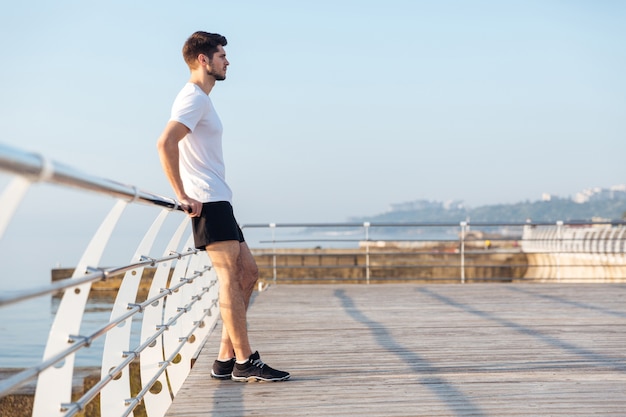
(176, 316)
(441, 252)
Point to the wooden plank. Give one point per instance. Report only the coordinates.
(427, 350)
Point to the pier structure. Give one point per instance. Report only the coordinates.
(394, 338)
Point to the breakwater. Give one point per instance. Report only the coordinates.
(20, 404)
(441, 263)
(575, 253)
(112, 283)
(427, 264)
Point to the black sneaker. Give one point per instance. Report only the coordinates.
(222, 370)
(255, 370)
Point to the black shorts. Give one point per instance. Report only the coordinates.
(216, 224)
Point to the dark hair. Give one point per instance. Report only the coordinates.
(202, 43)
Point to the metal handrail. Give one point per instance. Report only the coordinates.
(37, 168)
(432, 224)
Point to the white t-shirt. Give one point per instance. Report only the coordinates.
(201, 159)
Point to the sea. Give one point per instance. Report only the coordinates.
(24, 340)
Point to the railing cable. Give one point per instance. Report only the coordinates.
(78, 405)
(92, 275)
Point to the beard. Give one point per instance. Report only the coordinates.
(218, 76)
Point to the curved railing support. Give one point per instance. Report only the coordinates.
(55, 384)
(11, 199)
(118, 338)
(158, 397)
(176, 302)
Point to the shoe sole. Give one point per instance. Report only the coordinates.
(215, 376)
(258, 379)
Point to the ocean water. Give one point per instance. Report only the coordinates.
(52, 229)
(342, 236)
(24, 340)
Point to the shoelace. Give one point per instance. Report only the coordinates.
(258, 363)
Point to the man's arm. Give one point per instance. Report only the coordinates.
(167, 145)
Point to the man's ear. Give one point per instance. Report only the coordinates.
(203, 59)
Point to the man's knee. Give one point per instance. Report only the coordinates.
(249, 268)
(251, 275)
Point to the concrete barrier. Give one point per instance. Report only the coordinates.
(575, 253)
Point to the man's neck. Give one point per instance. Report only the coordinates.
(202, 80)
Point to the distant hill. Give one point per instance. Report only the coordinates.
(609, 204)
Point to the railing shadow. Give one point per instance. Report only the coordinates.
(458, 403)
(585, 354)
(576, 304)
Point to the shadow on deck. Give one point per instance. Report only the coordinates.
(427, 350)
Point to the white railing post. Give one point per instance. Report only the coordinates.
(463, 231)
(367, 225)
(10, 199)
(274, 272)
(177, 371)
(158, 398)
(54, 385)
(559, 243)
(117, 339)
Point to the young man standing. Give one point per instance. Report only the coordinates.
(190, 149)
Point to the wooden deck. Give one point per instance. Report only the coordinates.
(427, 350)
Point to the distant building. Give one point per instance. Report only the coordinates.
(616, 192)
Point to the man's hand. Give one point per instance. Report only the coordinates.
(191, 206)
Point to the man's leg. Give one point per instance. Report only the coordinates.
(234, 296)
(250, 274)
(237, 273)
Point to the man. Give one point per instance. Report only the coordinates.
(190, 149)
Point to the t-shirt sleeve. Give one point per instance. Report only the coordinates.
(187, 109)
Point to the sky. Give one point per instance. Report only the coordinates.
(331, 109)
